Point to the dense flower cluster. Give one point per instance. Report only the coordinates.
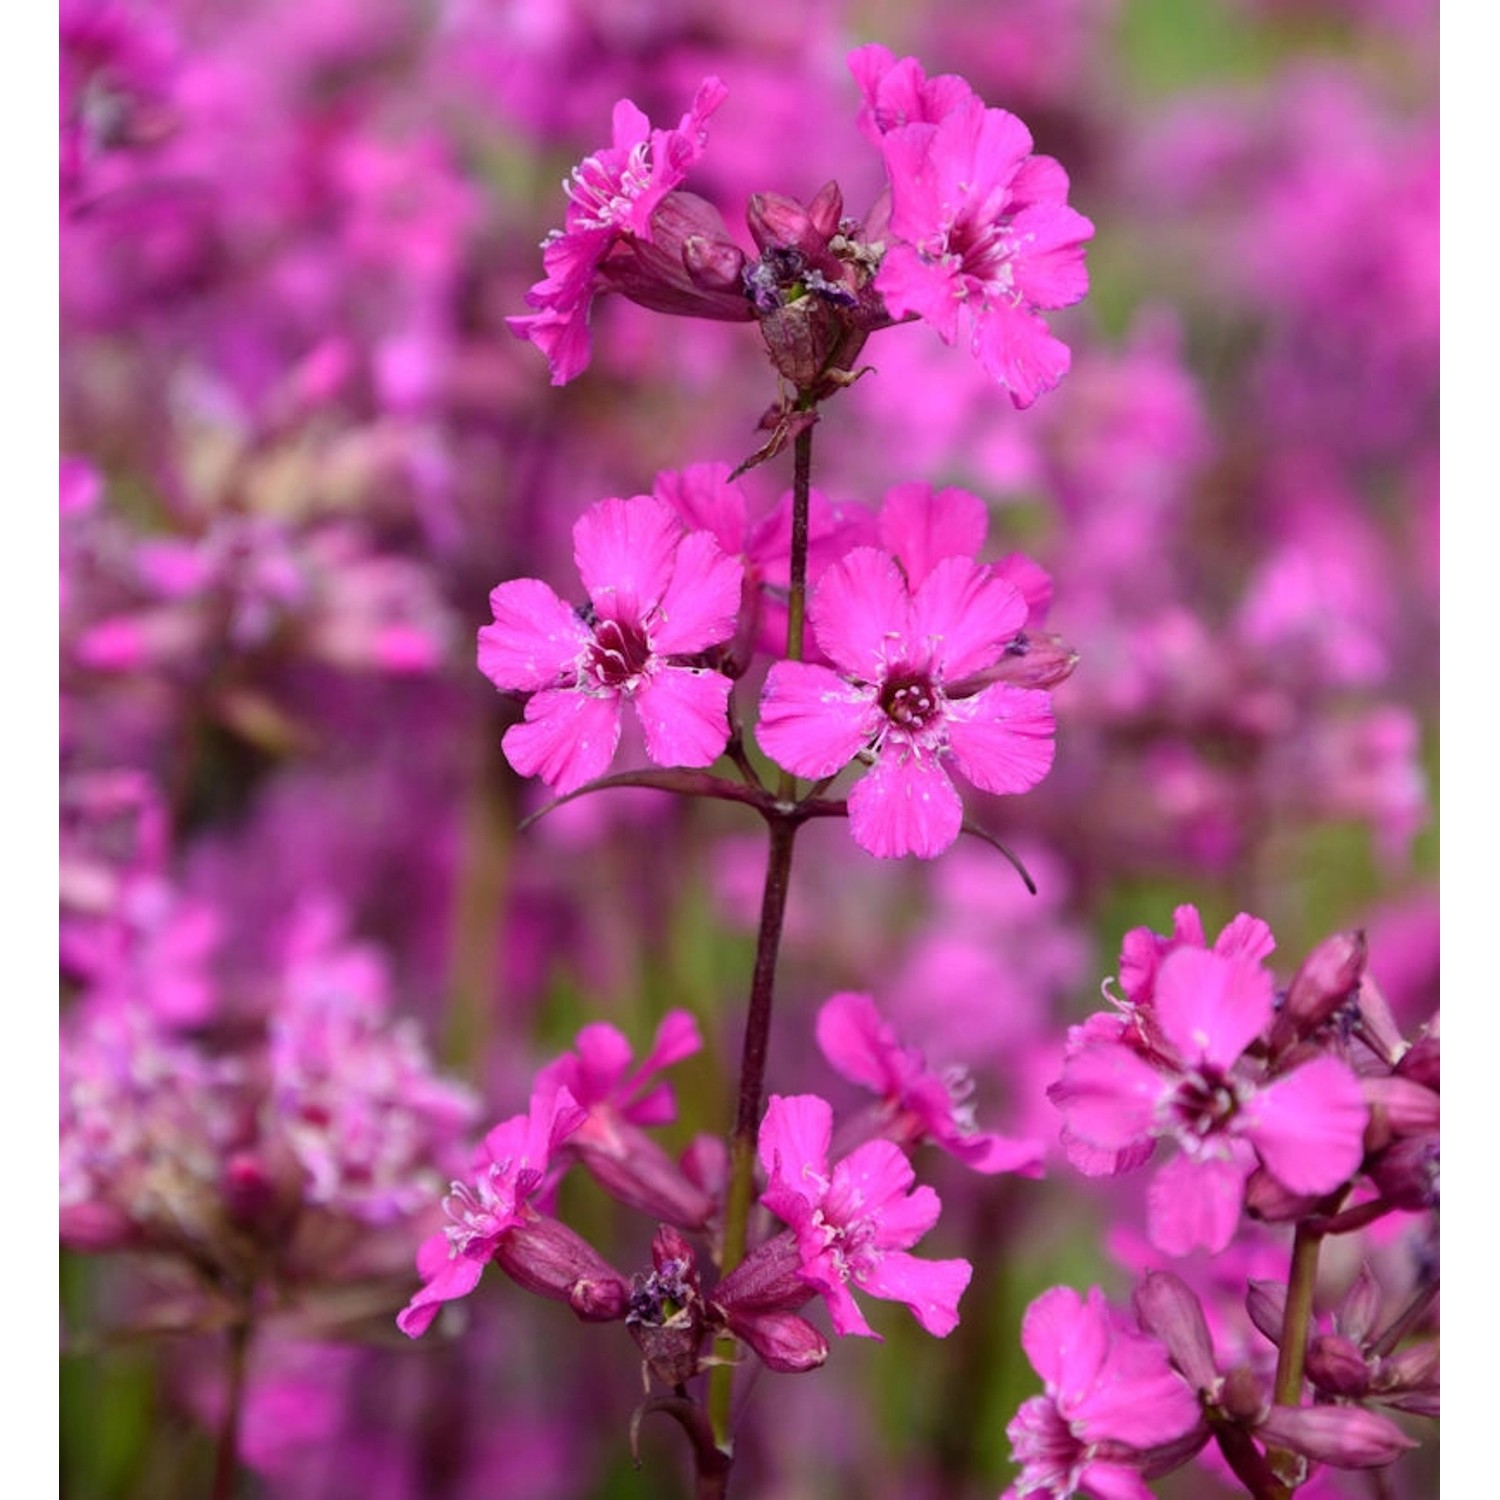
(1119, 593)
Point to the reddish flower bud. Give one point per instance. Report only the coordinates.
(1422, 1062)
(786, 1343)
(1329, 977)
(1266, 1304)
(1242, 1397)
(1348, 1437)
(548, 1258)
(1359, 1307)
(1035, 659)
(1399, 1107)
(630, 1166)
(779, 223)
(714, 265)
(1408, 1173)
(1267, 1199)
(1336, 1364)
(655, 273)
(1166, 1306)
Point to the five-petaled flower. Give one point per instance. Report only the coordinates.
(657, 594)
(855, 1222)
(1180, 1068)
(979, 223)
(897, 696)
(1111, 1397)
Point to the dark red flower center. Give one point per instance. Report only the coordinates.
(910, 699)
(620, 653)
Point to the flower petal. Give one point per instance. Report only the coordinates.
(906, 805)
(1193, 1203)
(964, 616)
(931, 1288)
(568, 739)
(858, 1044)
(1109, 1095)
(1211, 1008)
(795, 1135)
(701, 604)
(861, 613)
(1309, 1127)
(920, 526)
(625, 550)
(535, 639)
(1002, 738)
(684, 712)
(812, 722)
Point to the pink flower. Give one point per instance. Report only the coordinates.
(1111, 1397)
(511, 1167)
(1181, 1071)
(855, 1222)
(917, 1102)
(611, 196)
(656, 593)
(978, 222)
(618, 1101)
(896, 697)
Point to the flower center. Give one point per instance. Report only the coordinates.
(619, 655)
(604, 194)
(910, 700)
(1202, 1106)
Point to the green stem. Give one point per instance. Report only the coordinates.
(1296, 1323)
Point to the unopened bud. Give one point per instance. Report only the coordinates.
(630, 1166)
(1266, 1304)
(1268, 1200)
(1329, 977)
(1398, 1107)
(1408, 1173)
(546, 1257)
(780, 223)
(1348, 1437)
(1336, 1365)
(1358, 1308)
(1423, 1062)
(786, 1343)
(1241, 1397)
(1168, 1308)
(713, 265)
(826, 210)
(1035, 659)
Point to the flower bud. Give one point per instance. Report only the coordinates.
(1035, 659)
(1408, 1173)
(1268, 1200)
(786, 1343)
(714, 265)
(1348, 1437)
(655, 273)
(1168, 1308)
(1422, 1063)
(1329, 977)
(1335, 1364)
(1241, 1397)
(1266, 1304)
(1359, 1306)
(548, 1258)
(1398, 1107)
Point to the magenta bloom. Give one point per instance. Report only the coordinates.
(917, 1103)
(856, 1222)
(1111, 1396)
(655, 593)
(896, 697)
(611, 196)
(980, 223)
(1180, 1072)
(511, 1168)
